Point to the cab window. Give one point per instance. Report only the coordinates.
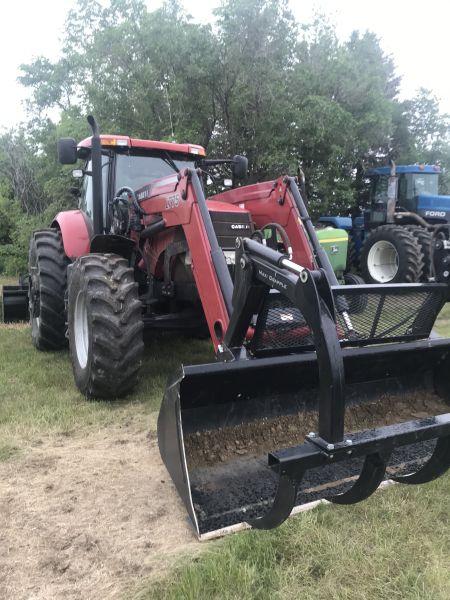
(380, 189)
(86, 198)
(426, 184)
(135, 171)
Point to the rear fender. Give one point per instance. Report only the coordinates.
(76, 231)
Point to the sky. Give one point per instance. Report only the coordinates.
(414, 33)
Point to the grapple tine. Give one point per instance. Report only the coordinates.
(282, 505)
(437, 465)
(372, 474)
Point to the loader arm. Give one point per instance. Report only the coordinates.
(179, 200)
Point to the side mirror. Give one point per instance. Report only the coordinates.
(239, 166)
(77, 173)
(67, 151)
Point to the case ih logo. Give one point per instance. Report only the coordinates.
(240, 226)
(144, 193)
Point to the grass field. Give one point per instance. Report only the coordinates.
(396, 545)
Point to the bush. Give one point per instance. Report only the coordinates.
(14, 253)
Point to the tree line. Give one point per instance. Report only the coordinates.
(254, 81)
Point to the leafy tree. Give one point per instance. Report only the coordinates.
(254, 81)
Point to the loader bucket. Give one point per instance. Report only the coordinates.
(15, 303)
(238, 438)
(218, 422)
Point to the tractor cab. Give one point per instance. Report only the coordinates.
(132, 164)
(415, 189)
(128, 162)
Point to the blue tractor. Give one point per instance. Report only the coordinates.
(390, 241)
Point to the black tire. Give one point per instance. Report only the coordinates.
(358, 303)
(105, 326)
(47, 265)
(352, 255)
(409, 254)
(424, 237)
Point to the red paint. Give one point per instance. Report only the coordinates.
(272, 202)
(175, 201)
(74, 231)
(215, 206)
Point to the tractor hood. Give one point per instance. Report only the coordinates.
(434, 206)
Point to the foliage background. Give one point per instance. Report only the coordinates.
(254, 81)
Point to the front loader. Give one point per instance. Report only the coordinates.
(320, 391)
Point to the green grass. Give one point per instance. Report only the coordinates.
(8, 280)
(443, 322)
(395, 546)
(37, 392)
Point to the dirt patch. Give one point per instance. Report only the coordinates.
(88, 517)
(258, 437)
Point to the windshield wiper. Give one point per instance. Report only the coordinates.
(169, 161)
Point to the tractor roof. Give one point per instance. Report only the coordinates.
(124, 141)
(405, 169)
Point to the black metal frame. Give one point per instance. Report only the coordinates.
(257, 268)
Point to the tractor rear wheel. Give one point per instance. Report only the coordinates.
(391, 254)
(47, 266)
(424, 238)
(105, 326)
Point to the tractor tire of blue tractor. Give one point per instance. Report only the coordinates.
(352, 256)
(424, 237)
(391, 254)
(356, 304)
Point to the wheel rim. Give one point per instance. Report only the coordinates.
(81, 330)
(382, 261)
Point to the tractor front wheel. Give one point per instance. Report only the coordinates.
(391, 254)
(105, 326)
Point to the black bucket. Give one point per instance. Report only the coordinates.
(218, 422)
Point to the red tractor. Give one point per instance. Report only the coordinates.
(145, 249)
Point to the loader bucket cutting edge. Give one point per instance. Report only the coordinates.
(15, 303)
(234, 436)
